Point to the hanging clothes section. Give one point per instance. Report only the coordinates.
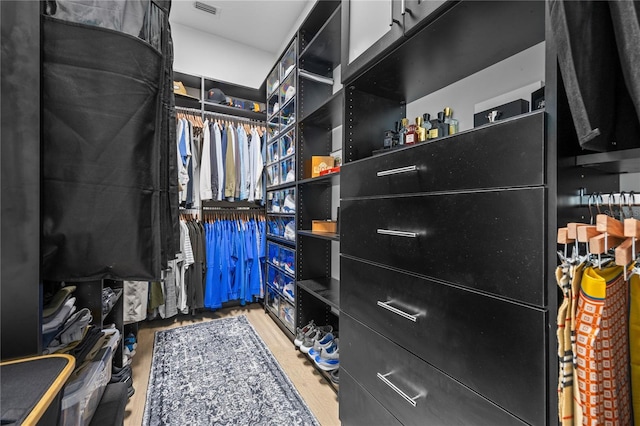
(599, 318)
(219, 158)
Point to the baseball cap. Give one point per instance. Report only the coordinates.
(179, 89)
(216, 95)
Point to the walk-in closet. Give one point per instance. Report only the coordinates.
(320, 212)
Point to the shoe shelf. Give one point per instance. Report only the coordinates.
(118, 292)
(325, 289)
(322, 235)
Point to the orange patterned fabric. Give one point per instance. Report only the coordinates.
(602, 346)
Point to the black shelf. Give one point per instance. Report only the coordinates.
(281, 240)
(623, 161)
(328, 114)
(328, 179)
(467, 38)
(322, 235)
(285, 185)
(291, 215)
(322, 53)
(229, 110)
(325, 289)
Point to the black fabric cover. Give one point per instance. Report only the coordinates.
(102, 115)
(599, 57)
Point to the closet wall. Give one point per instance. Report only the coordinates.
(21, 288)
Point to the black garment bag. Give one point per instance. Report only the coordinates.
(102, 138)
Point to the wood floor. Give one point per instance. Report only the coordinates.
(318, 394)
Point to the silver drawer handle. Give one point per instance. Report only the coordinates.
(406, 397)
(397, 171)
(403, 314)
(397, 233)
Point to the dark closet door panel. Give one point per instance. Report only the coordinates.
(500, 155)
(358, 407)
(491, 241)
(379, 365)
(471, 337)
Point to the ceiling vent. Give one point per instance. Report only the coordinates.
(206, 8)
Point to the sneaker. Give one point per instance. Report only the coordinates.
(319, 345)
(303, 332)
(291, 91)
(329, 358)
(275, 206)
(288, 292)
(290, 231)
(291, 176)
(335, 376)
(276, 108)
(289, 204)
(309, 341)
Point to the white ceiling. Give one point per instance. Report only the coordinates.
(263, 24)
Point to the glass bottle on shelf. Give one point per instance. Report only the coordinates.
(421, 131)
(426, 123)
(411, 137)
(451, 122)
(435, 130)
(402, 132)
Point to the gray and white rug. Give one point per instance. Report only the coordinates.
(219, 373)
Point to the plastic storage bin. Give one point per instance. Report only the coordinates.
(82, 395)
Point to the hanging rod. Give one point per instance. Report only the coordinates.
(615, 199)
(231, 208)
(221, 115)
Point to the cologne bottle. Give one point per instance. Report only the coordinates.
(411, 137)
(402, 132)
(421, 131)
(450, 121)
(443, 128)
(426, 123)
(435, 131)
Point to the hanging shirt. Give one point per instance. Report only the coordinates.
(238, 162)
(230, 165)
(183, 175)
(256, 165)
(205, 165)
(213, 153)
(243, 144)
(220, 161)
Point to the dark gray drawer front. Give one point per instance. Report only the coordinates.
(491, 241)
(367, 356)
(481, 341)
(358, 407)
(502, 155)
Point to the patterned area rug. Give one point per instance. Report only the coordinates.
(219, 373)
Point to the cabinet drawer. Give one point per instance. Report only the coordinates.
(501, 155)
(471, 337)
(491, 241)
(411, 389)
(358, 407)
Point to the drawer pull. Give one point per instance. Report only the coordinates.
(406, 397)
(397, 233)
(397, 171)
(397, 311)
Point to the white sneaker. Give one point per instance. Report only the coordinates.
(290, 232)
(291, 176)
(323, 343)
(329, 358)
(289, 204)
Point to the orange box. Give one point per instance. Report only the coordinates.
(318, 164)
(324, 225)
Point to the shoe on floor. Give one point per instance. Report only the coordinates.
(335, 376)
(309, 341)
(329, 358)
(319, 345)
(303, 332)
